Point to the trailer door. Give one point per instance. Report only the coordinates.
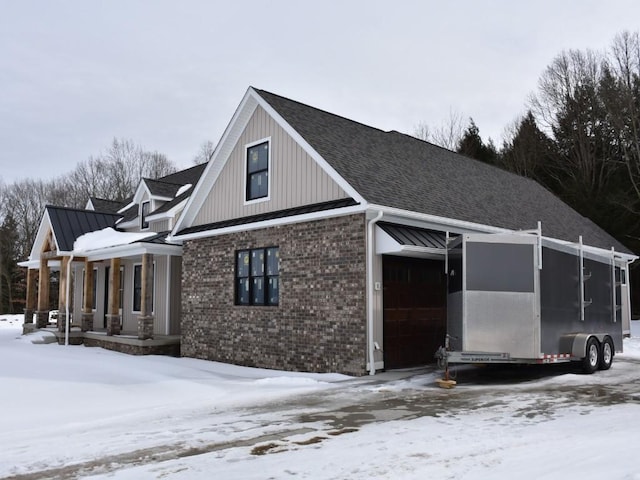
(500, 308)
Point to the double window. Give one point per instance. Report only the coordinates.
(257, 276)
(257, 180)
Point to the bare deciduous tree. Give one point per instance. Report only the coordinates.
(205, 153)
(447, 135)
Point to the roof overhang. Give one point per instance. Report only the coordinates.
(337, 212)
(132, 250)
(409, 242)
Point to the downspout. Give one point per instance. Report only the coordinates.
(66, 307)
(370, 290)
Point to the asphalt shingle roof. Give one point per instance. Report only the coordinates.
(397, 170)
(68, 224)
(161, 189)
(107, 206)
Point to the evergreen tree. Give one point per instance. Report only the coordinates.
(471, 145)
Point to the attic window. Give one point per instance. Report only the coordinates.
(257, 181)
(144, 211)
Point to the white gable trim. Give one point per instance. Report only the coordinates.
(218, 160)
(234, 130)
(41, 236)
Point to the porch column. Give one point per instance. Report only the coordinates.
(62, 295)
(42, 315)
(87, 302)
(145, 320)
(32, 275)
(113, 317)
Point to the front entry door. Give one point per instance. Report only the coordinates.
(415, 312)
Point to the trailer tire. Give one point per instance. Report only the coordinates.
(606, 354)
(591, 360)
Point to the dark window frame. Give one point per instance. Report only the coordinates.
(144, 224)
(136, 296)
(253, 274)
(263, 171)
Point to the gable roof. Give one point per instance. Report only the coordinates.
(396, 170)
(104, 205)
(159, 188)
(69, 223)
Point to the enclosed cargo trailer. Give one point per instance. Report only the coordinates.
(523, 298)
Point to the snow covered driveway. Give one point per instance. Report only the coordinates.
(76, 412)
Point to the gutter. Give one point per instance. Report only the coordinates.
(370, 291)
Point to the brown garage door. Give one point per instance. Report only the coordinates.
(415, 314)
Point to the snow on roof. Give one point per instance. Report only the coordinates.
(183, 189)
(107, 237)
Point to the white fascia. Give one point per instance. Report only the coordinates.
(131, 250)
(45, 225)
(126, 207)
(337, 212)
(169, 213)
(461, 226)
(434, 222)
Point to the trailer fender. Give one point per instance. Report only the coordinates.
(578, 343)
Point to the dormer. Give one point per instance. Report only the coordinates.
(157, 203)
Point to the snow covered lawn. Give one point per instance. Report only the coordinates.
(77, 412)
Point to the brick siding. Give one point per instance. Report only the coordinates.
(320, 323)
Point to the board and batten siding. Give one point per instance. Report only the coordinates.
(295, 178)
(159, 226)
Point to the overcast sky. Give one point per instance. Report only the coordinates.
(169, 74)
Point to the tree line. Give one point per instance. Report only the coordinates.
(580, 137)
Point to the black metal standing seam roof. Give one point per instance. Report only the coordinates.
(418, 237)
(397, 170)
(68, 224)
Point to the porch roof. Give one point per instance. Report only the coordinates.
(68, 224)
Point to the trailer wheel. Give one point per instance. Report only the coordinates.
(591, 361)
(606, 357)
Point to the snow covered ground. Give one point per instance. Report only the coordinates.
(77, 412)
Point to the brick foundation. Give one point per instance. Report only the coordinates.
(320, 324)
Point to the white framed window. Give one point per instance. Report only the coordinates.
(144, 212)
(257, 167)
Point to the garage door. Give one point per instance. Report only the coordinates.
(415, 315)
